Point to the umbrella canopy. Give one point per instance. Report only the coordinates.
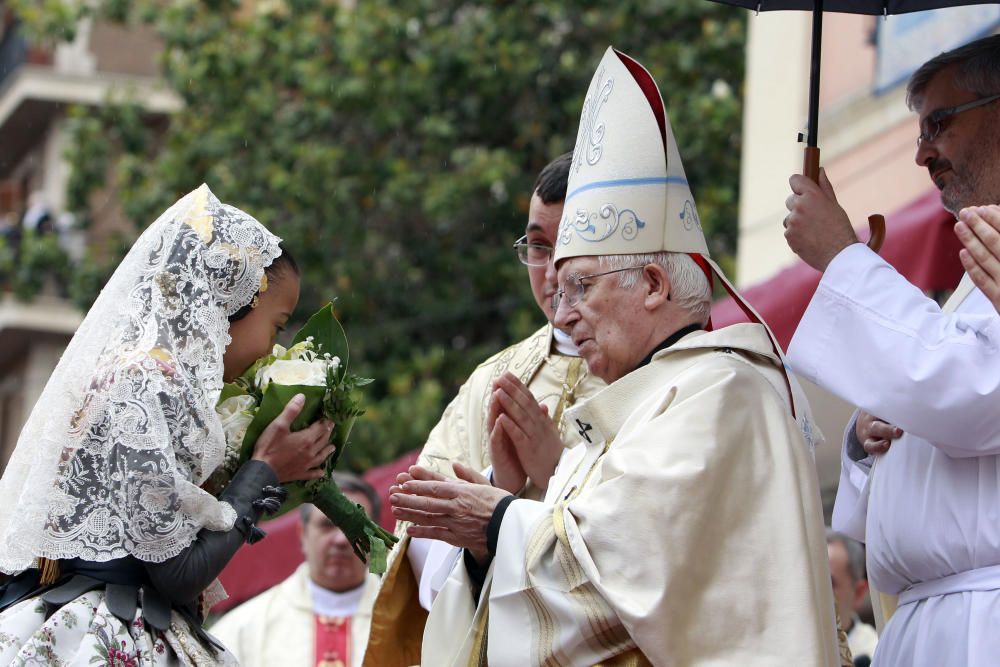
(817, 7)
(810, 165)
(873, 7)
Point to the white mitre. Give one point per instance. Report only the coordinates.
(627, 192)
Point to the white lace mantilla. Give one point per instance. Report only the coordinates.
(111, 459)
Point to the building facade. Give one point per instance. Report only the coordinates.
(38, 84)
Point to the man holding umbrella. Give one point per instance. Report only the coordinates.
(928, 509)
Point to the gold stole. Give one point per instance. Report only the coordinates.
(397, 627)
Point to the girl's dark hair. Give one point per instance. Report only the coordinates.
(277, 269)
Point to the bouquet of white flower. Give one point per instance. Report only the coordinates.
(315, 366)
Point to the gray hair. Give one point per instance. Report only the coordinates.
(689, 287)
(855, 553)
(978, 70)
(350, 482)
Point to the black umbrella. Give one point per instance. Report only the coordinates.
(810, 166)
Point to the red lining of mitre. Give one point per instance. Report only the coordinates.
(648, 87)
(699, 259)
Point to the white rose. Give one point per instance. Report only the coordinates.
(293, 371)
(236, 413)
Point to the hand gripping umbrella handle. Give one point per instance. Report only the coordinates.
(810, 163)
(876, 222)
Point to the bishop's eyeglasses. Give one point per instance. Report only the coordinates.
(533, 254)
(933, 124)
(574, 289)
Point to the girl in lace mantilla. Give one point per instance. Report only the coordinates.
(114, 544)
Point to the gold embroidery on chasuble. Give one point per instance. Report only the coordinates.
(523, 361)
(631, 658)
(846, 659)
(603, 631)
(568, 397)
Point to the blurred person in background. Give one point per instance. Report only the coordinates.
(850, 587)
(320, 615)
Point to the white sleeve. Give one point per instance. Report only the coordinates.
(436, 560)
(876, 341)
(851, 505)
(432, 561)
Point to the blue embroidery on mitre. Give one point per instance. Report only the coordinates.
(627, 183)
(689, 216)
(585, 224)
(590, 138)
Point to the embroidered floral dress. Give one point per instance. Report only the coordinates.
(84, 632)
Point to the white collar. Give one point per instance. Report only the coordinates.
(330, 603)
(564, 343)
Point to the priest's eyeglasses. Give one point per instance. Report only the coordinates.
(933, 124)
(574, 289)
(533, 254)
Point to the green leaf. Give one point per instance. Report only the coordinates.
(378, 554)
(229, 390)
(327, 335)
(369, 540)
(339, 437)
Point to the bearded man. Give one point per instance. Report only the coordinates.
(927, 510)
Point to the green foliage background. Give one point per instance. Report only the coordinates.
(393, 145)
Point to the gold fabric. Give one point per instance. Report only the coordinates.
(397, 627)
(846, 659)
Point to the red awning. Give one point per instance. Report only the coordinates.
(257, 567)
(920, 243)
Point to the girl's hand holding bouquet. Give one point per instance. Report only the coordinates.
(307, 384)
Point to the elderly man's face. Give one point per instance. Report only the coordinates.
(604, 324)
(543, 226)
(332, 563)
(962, 160)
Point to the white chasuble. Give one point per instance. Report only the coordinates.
(929, 516)
(686, 531)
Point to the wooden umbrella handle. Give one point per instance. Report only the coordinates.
(876, 222)
(810, 163)
(876, 225)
